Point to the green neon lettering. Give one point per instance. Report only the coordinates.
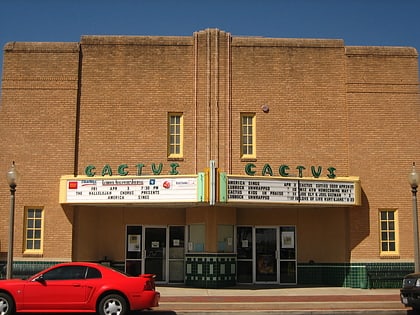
(300, 169)
(107, 170)
(331, 172)
(316, 173)
(267, 170)
(157, 171)
(249, 169)
(90, 170)
(139, 169)
(283, 170)
(173, 170)
(121, 170)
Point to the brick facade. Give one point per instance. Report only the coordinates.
(105, 101)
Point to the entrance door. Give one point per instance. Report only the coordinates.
(155, 252)
(266, 254)
(266, 263)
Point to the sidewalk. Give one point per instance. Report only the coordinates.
(265, 300)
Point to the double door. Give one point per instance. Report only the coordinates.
(266, 254)
(156, 250)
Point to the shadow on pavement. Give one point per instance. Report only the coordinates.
(156, 312)
(145, 312)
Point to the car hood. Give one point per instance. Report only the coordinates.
(11, 281)
(413, 275)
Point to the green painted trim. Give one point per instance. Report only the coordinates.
(223, 187)
(201, 185)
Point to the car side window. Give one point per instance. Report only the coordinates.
(66, 273)
(93, 273)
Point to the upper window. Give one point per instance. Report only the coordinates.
(388, 230)
(34, 218)
(248, 136)
(175, 135)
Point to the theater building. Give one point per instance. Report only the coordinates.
(212, 160)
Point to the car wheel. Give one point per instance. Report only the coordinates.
(112, 304)
(6, 304)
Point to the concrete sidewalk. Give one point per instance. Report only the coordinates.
(280, 300)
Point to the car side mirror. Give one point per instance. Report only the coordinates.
(40, 279)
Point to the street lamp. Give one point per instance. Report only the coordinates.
(413, 179)
(12, 177)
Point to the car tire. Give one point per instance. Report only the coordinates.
(112, 304)
(7, 305)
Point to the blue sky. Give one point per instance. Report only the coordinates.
(357, 22)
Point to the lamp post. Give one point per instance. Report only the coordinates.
(12, 177)
(413, 179)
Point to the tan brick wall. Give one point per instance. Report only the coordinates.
(383, 107)
(353, 108)
(37, 126)
(129, 86)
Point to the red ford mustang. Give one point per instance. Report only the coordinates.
(78, 287)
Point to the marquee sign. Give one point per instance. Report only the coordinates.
(88, 190)
(340, 191)
(344, 191)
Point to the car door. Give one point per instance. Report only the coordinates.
(61, 288)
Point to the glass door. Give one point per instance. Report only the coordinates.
(288, 255)
(155, 252)
(266, 263)
(176, 254)
(134, 250)
(244, 249)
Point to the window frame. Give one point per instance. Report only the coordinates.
(395, 230)
(245, 153)
(170, 144)
(26, 229)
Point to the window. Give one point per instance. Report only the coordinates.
(248, 136)
(196, 238)
(388, 232)
(175, 135)
(93, 273)
(66, 273)
(224, 238)
(33, 230)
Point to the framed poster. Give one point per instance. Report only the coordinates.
(134, 242)
(287, 239)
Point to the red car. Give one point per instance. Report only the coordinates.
(79, 287)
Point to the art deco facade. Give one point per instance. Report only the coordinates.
(212, 159)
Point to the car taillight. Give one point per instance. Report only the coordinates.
(149, 284)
